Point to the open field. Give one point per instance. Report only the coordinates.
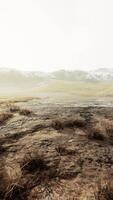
(80, 88)
(76, 93)
(55, 151)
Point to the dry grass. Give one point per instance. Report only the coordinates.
(17, 180)
(57, 124)
(5, 116)
(2, 149)
(61, 150)
(10, 176)
(102, 130)
(62, 160)
(25, 112)
(75, 123)
(33, 163)
(97, 132)
(16, 183)
(109, 131)
(60, 124)
(104, 191)
(16, 109)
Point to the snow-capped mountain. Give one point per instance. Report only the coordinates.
(101, 74)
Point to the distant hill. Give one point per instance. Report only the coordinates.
(102, 74)
(70, 75)
(12, 77)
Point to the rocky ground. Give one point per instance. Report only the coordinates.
(56, 152)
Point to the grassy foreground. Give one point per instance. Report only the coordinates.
(55, 152)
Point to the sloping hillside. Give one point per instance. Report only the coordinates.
(19, 77)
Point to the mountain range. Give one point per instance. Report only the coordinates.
(12, 76)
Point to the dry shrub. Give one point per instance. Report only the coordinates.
(109, 131)
(10, 176)
(17, 192)
(14, 108)
(75, 123)
(33, 163)
(2, 149)
(25, 112)
(5, 116)
(4, 183)
(17, 180)
(106, 125)
(63, 151)
(57, 124)
(80, 122)
(68, 123)
(104, 191)
(97, 132)
(37, 169)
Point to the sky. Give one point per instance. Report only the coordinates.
(49, 35)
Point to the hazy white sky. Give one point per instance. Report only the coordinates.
(53, 34)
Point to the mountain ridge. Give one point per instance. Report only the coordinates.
(18, 76)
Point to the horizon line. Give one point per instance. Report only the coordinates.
(51, 71)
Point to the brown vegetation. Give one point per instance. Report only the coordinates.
(64, 151)
(60, 124)
(104, 191)
(96, 133)
(25, 112)
(57, 124)
(17, 180)
(33, 163)
(16, 109)
(4, 117)
(38, 162)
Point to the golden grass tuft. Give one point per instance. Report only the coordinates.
(10, 176)
(17, 180)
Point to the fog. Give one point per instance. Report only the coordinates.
(51, 35)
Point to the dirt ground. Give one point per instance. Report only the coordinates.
(52, 152)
